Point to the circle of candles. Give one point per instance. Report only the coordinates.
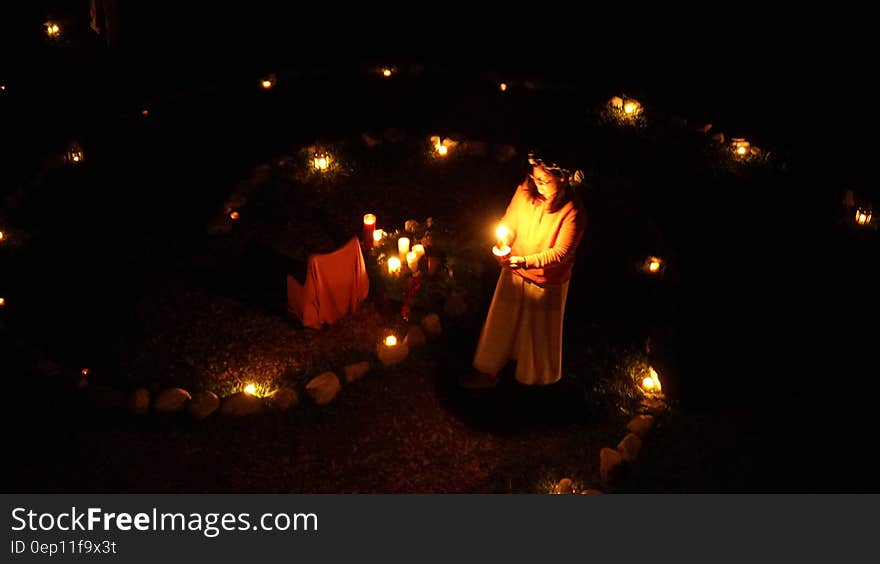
(369, 226)
(393, 265)
(403, 246)
(390, 341)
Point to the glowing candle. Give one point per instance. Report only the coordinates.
(390, 341)
(378, 235)
(651, 383)
(2, 236)
(369, 226)
(503, 86)
(403, 246)
(52, 29)
(502, 234)
(250, 390)
(2, 302)
(442, 150)
(419, 250)
(863, 216)
(412, 261)
(234, 216)
(393, 266)
(386, 72)
(321, 162)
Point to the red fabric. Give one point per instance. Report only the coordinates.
(336, 284)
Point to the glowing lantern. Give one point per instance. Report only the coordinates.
(2, 302)
(85, 371)
(740, 147)
(234, 216)
(321, 162)
(653, 265)
(387, 72)
(503, 87)
(75, 154)
(2, 236)
(631, 107)
(52, 29)
(393, 266)
(2, 87)
(268, 82)
(863, 216)
(390, 351)
(250, 390)
(651, 383)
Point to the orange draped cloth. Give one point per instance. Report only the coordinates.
(336, 284)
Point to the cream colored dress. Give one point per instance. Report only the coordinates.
(524, 323)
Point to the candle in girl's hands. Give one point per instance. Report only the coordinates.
(502, 234)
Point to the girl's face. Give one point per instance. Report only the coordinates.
(546, 183)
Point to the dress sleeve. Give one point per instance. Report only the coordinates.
(571, 229)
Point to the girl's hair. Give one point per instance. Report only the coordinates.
(563, 195)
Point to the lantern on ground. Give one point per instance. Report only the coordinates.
(632, 107)
(653, 265)
(321, 162)
(234, 216)
(266, 83)
(740, 147)
(651, 382)
(250, 390)
(503, 87)
(2, 302)
(390, 351)
(387, 72)
(2, 236)
(863, 216)
(53, 30)
(75, 154)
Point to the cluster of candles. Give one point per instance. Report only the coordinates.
(630, 106)
(52, 29)
(321, 162)
(412, 256)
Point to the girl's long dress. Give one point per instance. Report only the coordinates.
(524, 323)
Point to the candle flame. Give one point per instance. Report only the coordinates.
(740, 150)
(250, 390)
(369, 219)
(266, 84)
(386, 72)
(502, 232)
(321, 162)
(503, 86)
(84, 371)
(393, 265)
(390, 341)
(377, 235)
(2, 302)
(234, 215)
(2, 236)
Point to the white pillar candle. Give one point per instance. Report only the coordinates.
(403, 246)
(412, 261)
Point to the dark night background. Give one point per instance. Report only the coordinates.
(799, 83)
